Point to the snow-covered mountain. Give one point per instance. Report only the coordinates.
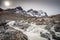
(36, 13)
(30, 12)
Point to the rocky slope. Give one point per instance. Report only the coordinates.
(30, 12)
(28, 24)
(8, 33)
(18, 17)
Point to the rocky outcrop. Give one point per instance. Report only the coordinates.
(19, 8)
(7, 33)
(1, 9)
(13, 35)
(36, 13)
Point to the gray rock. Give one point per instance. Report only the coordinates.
(7, 33)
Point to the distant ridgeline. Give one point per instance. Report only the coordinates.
(17, 14)
(30, 12)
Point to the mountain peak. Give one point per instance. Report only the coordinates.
(31, 12)
(36, 13)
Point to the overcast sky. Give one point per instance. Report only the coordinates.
(52, 7)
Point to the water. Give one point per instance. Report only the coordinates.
(33, 31)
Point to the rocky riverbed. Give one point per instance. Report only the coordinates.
(24, 31)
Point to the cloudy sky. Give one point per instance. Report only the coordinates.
(52, 7)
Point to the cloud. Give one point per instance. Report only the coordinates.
(50, 6)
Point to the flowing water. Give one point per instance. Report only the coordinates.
(33, 31)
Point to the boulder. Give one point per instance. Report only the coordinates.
(13, 35)
(1, 9)
(7, 33)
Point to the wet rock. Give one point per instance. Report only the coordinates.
(8, 33)
(15, 35)
(3, 23)
(55, 31)
(45, 36)
(57, 28)
(11, 23)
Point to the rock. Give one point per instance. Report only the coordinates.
(7, 33)
(1, 9)
(2, 23)
(3, 26)
(11, 23)
(15, 35)
(19, 8)
(45, 36)
(36, 13)
(55, 31)
(57, 28)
